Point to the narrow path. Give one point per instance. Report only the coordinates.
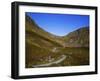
(63, 57)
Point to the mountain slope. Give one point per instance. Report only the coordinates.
(38, 43)
(33, 28)
(42, 47)
(77, 38)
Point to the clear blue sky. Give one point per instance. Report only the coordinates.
(59, 24)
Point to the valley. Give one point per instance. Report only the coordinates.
(44, 49)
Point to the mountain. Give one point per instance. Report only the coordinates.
(77, 38)
(39, 43)
(42, 47)
(33, 29)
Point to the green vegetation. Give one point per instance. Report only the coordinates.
(43, 47)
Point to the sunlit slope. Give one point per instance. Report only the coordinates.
(42, 47)
(39, 44)
(77, 38)
(46, 38)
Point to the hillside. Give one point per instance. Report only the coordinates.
(77, 38)
(44, 48)
(39, 44)
(33, 28)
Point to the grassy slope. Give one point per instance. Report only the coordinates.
(39, 45)
(78, 38)
(32, 27)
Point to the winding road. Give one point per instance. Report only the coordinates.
(63, 57)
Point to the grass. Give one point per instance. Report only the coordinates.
(75, 56)
(39, 46)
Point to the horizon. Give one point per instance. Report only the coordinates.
(59, 24)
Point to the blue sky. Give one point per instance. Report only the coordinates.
(59, 24)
